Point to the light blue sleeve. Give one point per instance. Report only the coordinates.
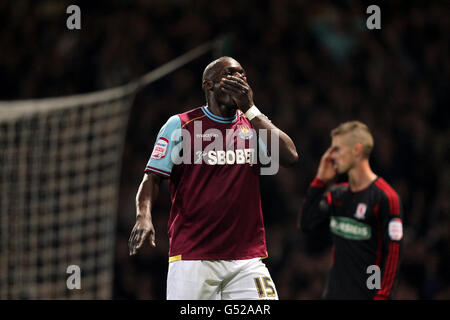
(263, 154)
(262, 146)
(160, 161)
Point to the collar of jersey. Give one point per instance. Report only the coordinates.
(213, 117)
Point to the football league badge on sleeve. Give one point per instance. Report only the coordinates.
(395, 229)
(361, 211)
(160, 149)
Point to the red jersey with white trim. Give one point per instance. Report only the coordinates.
(367, 232)
(214, 186)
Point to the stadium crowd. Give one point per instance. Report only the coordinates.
(311, 65)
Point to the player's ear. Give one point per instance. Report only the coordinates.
(358, 149)
(207, 85)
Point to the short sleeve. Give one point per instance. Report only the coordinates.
(262, 146)
(161, 162)
(263, 151)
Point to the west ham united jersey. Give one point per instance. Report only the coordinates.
(212, 166)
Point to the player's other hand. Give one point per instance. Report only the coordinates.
(326, 170)
(239, 90)
(143, 228)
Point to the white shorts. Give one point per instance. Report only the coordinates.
(220, 280)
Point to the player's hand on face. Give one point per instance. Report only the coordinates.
(143, 228)
(326, 170)
(239, 90)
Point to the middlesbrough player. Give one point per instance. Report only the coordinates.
(216, 230)
(363, 215)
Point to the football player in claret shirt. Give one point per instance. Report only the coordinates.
(216, 229)
(363, 215)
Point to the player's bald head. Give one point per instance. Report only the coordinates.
(216, 66)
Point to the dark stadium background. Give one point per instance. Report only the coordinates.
(311, 65)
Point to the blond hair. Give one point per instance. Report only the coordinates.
(357, 132)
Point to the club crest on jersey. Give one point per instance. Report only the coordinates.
(245, 132)
(361, 211)
(395, 229)
(160, 149)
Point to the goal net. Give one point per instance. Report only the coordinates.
(60, 161)
(59, 174)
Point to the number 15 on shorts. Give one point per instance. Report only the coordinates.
(264, 287)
